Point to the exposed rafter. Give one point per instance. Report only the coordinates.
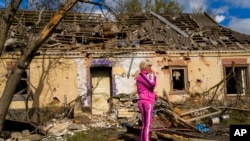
(169, 24)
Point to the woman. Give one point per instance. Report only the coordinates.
(146, 82)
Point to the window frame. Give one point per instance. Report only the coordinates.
(21, 96)
(245, 80)
(185, 80)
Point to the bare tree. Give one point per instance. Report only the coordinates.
(133, 7)
(51, 5)
(6, 20)
(34, 43)
(201, 9)
(169, 7)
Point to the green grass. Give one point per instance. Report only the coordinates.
(238, 117)
(92, 135)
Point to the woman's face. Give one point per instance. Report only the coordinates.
(148, 68)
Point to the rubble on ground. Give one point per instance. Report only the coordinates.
(176, 122)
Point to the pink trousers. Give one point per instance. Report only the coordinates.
(146, 109)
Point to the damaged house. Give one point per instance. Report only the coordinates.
(91, 58)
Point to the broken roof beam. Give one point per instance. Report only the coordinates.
(169, 24)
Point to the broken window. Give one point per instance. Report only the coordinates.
(179, 78)
(121, 35)
(22, 89)
(237, 80)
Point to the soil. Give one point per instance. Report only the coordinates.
(215, 134)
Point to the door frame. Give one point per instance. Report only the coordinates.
(103, 68)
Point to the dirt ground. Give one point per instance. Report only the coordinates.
(128, 132)
(132, 134)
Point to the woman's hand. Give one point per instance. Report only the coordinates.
(153, 72)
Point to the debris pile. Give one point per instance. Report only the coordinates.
(170, 121)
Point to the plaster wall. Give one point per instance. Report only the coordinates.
(206, 68)
(68, 78)
(55, 78)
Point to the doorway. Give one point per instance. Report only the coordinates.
(101, 89)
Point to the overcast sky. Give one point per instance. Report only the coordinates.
(234, 14)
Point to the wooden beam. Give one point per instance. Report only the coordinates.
(169, 24)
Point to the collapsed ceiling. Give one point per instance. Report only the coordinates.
(89, 31)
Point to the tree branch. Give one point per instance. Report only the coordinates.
(100, 4)
(7, 19)
(29, 53)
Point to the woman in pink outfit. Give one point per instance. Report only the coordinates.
(146, 82)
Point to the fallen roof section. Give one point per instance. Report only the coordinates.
(147, 32)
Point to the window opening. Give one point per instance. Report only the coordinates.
(236, 82)
(178, 78)
(22, 87)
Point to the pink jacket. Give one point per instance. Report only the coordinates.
(145, 87)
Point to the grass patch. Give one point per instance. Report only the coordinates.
(92, 135)
(238, 118)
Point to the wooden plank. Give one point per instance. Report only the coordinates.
(203, 116)
(197, 110)
(217, 111)
(125, 112)
(182, 120)
(170, 24)
(198, 139)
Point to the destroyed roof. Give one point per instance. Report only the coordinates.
(184, 32)
(88, 32)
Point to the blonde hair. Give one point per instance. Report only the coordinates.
(145, 63)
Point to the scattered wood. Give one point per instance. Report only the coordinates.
(174, 137)
(198, 139)
(125, 113)
(182, 120)
(234, 108)
(204, 113)
(170, 104)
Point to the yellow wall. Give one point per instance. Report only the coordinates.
(54, 78)
(65, 77)
(49, 78)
